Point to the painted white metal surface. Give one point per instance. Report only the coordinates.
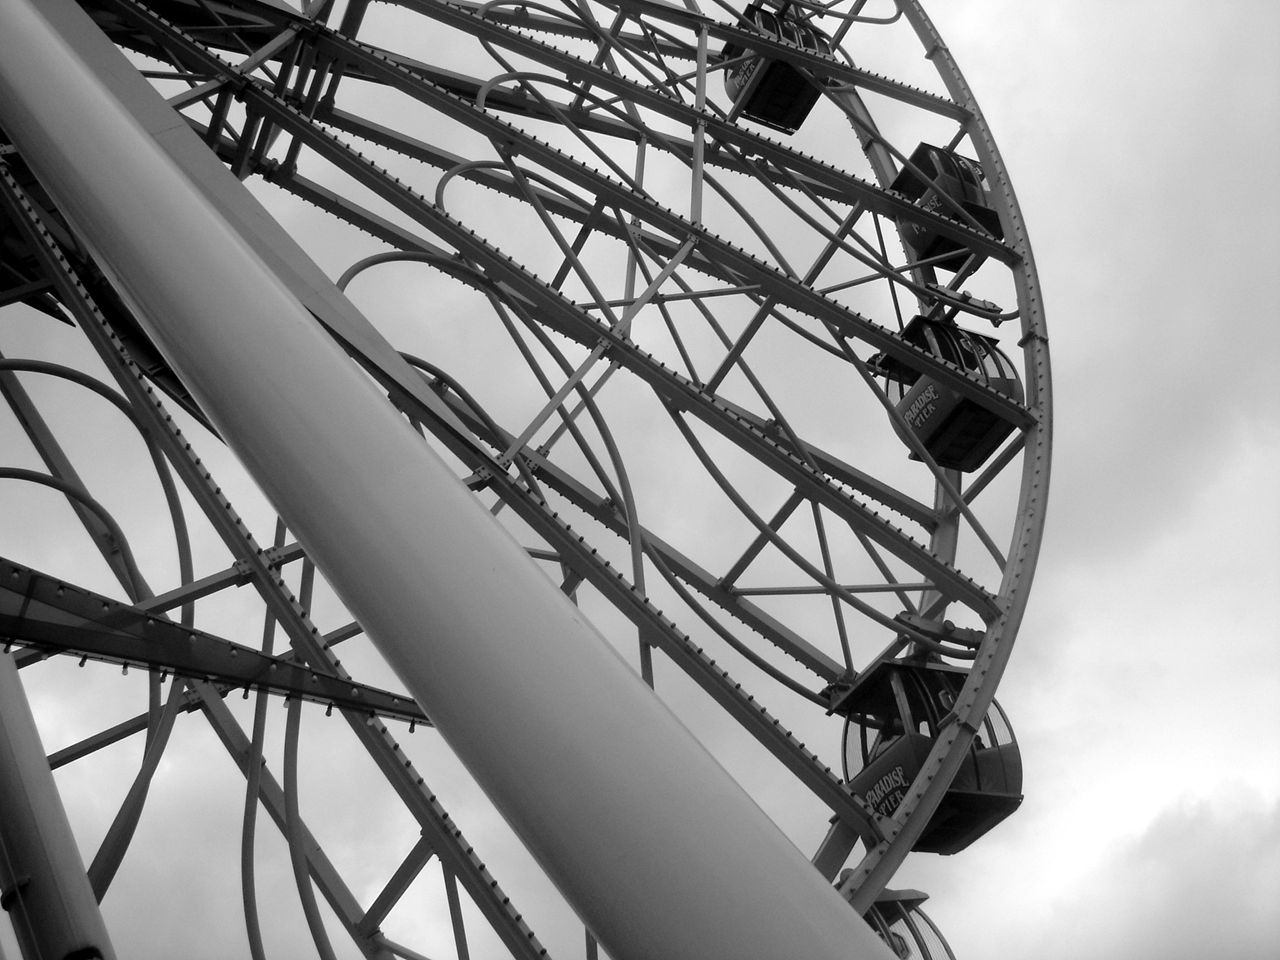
(47, 895)
(659, 850)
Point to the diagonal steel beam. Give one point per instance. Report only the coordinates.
(593, 752)
(51, 615)
(449, 841)
(555, 310)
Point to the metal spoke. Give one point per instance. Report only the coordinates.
(661, 330)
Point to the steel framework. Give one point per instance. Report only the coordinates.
(645, 338)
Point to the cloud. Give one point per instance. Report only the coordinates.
(1202, 881)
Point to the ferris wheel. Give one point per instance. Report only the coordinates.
(725, 316)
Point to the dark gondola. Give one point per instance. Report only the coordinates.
(945, 173)
(957, 431)
(895, 711)
(773, 92)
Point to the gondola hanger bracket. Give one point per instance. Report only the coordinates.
(944, 631)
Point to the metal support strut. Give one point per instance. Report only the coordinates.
(43, 884)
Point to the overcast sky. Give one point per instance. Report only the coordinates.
(1141, 138)
(1145, 687)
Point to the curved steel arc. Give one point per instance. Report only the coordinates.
(565, 206)
(741, 264)
(842, 184)
(259, 568)
(253, 782)
(574, 550)
(423, 151)
(652, 235)
(292, 812)
(61, 467)
(667, 382)
(333, 43)
(725, 33)
(76, 492)
(116, 551)
(604, 510)
(665, 914)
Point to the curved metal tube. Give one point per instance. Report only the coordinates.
(292, 816)
(293, 824)
(177, 514)
(80, 495)
(566, 740)
(115, 843)
(764, 666)
(785, 548)
(253, 783)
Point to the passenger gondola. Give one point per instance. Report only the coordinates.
(895, 710)
(957, 431)
(945, 173)
(897, 919)
(773, 92)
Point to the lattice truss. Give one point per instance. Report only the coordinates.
(649, 333)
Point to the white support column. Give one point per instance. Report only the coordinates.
(658, 849)
(42, 877)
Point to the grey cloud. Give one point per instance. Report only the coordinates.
(1200, 882)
